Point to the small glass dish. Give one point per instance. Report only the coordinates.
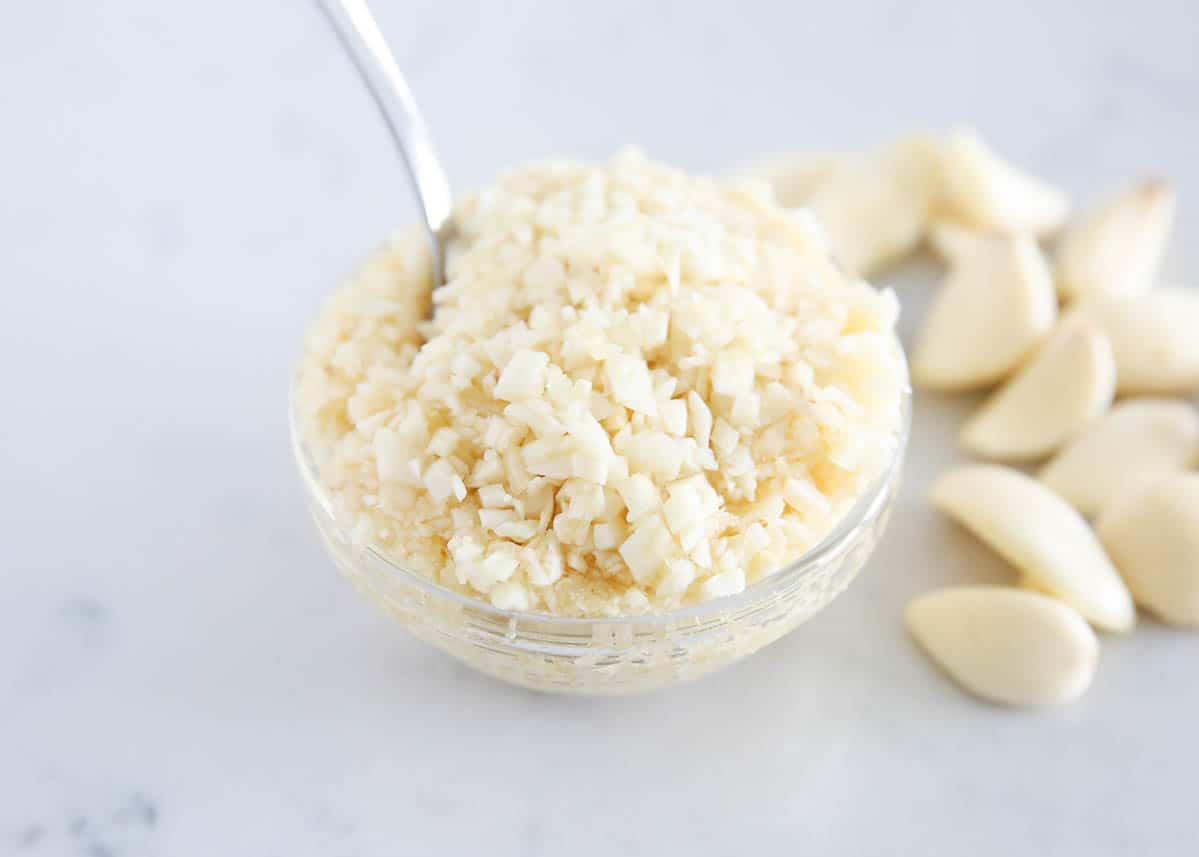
(614, 655)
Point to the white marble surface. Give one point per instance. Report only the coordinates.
(182, 673)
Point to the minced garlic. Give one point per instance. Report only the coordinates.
(637, 390)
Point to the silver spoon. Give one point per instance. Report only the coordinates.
(360, 36)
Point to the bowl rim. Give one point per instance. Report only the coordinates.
(865, 509)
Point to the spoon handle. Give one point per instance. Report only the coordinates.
(360, 36)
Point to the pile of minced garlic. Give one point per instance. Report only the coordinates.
(637, 390)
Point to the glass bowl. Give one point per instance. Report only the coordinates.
(613, 655)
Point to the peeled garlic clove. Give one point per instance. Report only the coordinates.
(794, 178)
(985, 192)
(1153, 537)
(996, 305)
(1070, 381)
(1154, 336)
(1117, 248)
(1041, 535)
(874, 208)
(1006, 645)
(1136, 441)
(952, 241)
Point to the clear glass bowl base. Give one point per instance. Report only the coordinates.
(614, 655)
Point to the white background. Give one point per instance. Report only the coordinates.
(182, 672)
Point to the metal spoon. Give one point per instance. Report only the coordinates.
(360, 36)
